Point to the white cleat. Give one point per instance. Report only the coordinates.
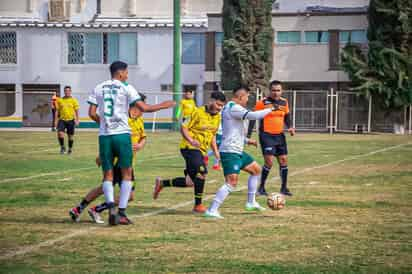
(95, 216)
(212, 215)
(254, 207)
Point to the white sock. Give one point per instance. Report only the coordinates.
(221, 195)
(108, 191)
(251, 188)
(125, 189)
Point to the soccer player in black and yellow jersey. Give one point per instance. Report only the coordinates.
(187, 105)
(66, 118)
(271, 136)
(199, 133)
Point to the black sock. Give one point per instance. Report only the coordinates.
(199, 186)
(264, 175)
(71, 143)
(175, 182)
(101, 207)
(284, 176)
(122, 212)
(61, 141)
(83, 204)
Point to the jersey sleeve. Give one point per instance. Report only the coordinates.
(92, 100)
(238, 112)
(259, 105)
(133, 95)
(76, 104)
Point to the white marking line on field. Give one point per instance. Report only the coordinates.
(35, 247)
(72, 170)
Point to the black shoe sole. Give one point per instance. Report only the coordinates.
(73, 216)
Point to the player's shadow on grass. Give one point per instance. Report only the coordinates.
(39, 220)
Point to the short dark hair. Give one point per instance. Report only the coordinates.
(188, 90)
(274, 83)
(116, 66)
(67, 87)
(239, 88)
(218, 95)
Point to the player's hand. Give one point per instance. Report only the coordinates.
(195, 143)
(98, 162)
(76, 122)
(169, 104)
(291, 131)
(252, 142)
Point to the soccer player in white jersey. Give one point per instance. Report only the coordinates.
(232, 156)
(109, 106)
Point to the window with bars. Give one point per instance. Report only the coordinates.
(353, 36)
(102, 48)
(8, 49)
(288, 37)
(7, 99)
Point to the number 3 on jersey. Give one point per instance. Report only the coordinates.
(108, 107)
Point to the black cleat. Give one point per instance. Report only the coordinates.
(62, 150)
(286, 192)
(69, 151)
(262, 192)
(113, 219)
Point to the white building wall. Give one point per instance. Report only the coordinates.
(42, 59)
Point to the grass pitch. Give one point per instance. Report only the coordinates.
(351, 212)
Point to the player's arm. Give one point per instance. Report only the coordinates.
(291, 130)
(56, 116)
(76, 112)
(153, 108)
(242, 113)
(184, 130)
(93, 113)
(213, 145)
(139, 145)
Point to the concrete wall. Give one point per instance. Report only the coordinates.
(300, 5)
(42, 59)
(299, 62)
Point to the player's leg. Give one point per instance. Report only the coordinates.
(197, 171)
(123, 147)
(231, 163)
(70, 135)
(268, 150)
(216, 165)
(106, 155)
(90, 197)
(282, 157)
(175, 182)
(60, 135)
(254, 169)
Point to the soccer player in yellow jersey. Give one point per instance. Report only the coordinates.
(66, 118)
(199, 133)
(187, 105)
(138, 137)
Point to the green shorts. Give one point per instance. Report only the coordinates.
(119, 146)
(232, 163)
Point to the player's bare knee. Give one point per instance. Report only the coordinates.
(232, 180)
(283, 160)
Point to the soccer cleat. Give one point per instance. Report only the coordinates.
(212, 215)
(62, 150)
(95, 216)
(69, 151)
(262, 192)
(216, 167)
(286, 191)
(199, 209)
(157, 188)
(123, 220)
(75, 214)
(113, 217)
(254, 207)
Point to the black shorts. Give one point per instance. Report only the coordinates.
(195, 164)
(273, 144)
(66, 125)
(117, 176)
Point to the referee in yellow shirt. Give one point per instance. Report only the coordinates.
(66, 117)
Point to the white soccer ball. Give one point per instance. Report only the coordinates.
(276, 201)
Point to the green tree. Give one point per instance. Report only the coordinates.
(247, 44)
(385, 72)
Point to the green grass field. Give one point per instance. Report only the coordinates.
(351, 213)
